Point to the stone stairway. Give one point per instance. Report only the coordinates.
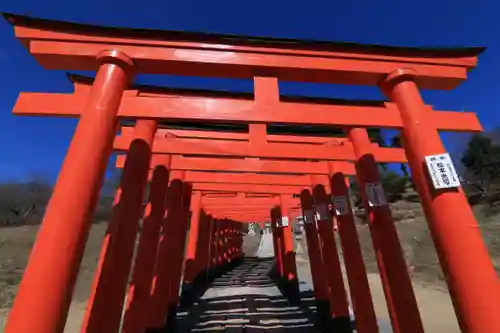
(245, 299)
(251, 245)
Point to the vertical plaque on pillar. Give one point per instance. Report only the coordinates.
(321, 212)
(340, 205)
(375, 194)
(309, 216)
(284, 221)
(442, 171)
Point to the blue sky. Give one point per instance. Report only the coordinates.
(37, 145)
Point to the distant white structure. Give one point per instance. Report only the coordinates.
(299, 224)
(251, 229)
(266, 248)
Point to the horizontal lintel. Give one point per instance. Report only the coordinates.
(220, 110)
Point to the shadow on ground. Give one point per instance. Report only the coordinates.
(245, 298)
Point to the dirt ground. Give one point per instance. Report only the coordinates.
(435, 305)
(15, 244)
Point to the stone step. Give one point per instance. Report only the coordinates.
(245, 300)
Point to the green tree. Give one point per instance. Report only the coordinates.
(482, 161)
(394, 185)
(395, 142)
(376, 136)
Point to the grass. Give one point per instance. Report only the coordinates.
(16, 242)
(419, 250)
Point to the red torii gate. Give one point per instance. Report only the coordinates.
(284, 244)
(118, 53)
(193, 268)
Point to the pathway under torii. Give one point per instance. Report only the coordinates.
(117, 54)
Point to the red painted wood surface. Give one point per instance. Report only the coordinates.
(57, 47)
(178, 107)
(270, 150)
(245, 165)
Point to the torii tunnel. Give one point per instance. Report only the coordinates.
(220, 180)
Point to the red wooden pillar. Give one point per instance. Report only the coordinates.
(240, 239)
(230, 240)
(221, 243)
(203, 247)
(278, 249)
(281, 244)
(178, 263)
(227, 244)
(105, 304)
(361, 298)
(333, 270)
(135, 318)
(219, 231)
(218, 239)
(168, 253)
(289, 264)
(321, 289)
(211, 247)
(401, 301)
(471, 277)
(190, 268)
(45, 292)
(238, 232)
(233, 240)
(227, 241)
(215, 246)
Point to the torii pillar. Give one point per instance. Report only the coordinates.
(190, 261)
(177, 265)
(135, 317)
(46, 289)
(105, 304)
(398, 290)
(320, 283)
(210, 261)
(341, 320)
(467, 266)
(277, 242)
(203, 248)
(289, 264)
(361, 298)
(170, 255)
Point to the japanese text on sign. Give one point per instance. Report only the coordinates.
(340, 205)
(375, 194)
(309, 216)
(442, 171)
(284, 221)
(321, 212)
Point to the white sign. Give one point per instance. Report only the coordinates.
(309, 216)
(375, 194)
(284, 221)
(321, 212)
(340, 205)
(442, 171)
